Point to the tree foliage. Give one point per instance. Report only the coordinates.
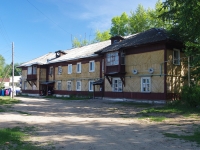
(102, 36)
(184, 17)
(139, 20)
(2, 65)
(120, 25)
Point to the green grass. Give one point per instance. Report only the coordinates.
(22, 112)
(13, 139)
(2, 110)
(170, 109)
(195, 137)
(153, 118)
(7, 100)
(142, 105)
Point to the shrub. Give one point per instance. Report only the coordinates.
(190, 96)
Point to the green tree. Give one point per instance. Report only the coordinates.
(184, 17)
(102, 36)
(2, 65)
(120, 25)
(156, 20)
(139, 20)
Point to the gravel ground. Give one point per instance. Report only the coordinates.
(95, 125)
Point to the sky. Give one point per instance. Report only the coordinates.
(37, 27)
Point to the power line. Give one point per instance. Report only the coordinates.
(48, 17)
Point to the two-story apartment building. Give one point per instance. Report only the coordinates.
(148, 65)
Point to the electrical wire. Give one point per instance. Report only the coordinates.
(48, 17)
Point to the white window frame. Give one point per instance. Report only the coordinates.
(34, 70)
(69, 68)
(69, 85)
(78, 67)
(91, 66)
(117, 85)
(78, 87)
(146, 86)
(176, 59)
(90, 85)
(29, 70)
(112, 58)
(59, 85)
(51, 70)
(59, 70)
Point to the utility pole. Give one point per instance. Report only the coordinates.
(12, 70)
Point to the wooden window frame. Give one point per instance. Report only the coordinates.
(146, 87)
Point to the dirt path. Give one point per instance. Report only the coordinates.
(94, 125)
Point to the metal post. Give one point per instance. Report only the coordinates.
(12, 70)
(188, 71)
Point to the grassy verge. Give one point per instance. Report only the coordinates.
(194, 137)
(140, 105)
(13, 139)
(7, 100)
(160, 113)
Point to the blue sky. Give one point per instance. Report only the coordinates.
(38, 27)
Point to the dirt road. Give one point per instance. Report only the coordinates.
(93, 125)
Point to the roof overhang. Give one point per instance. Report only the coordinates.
(99, 82)
(47, 83)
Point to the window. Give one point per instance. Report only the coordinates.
(25, 85)
(78, 67)
(102, 64)
(117, 85)
(59, 69)
(91, 85)
(69, 85)
(59, 85)
(91, 66)
(69, 68)
(145, 84)
(122, 58)
(51, 71)
(112, 59)
(29, 70)
(34, 70)
(176, 57)
(78, 85)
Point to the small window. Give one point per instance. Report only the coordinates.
(78, 67)
(59, 69)
(91, 66)
(102, 64)
(34, 70)
(91, 85)
(29, 70)
(25, 85)
(59, 85)
(78, 85)
(176, 57)
(69, 68)
(122, 58)
(117, 85)
(69, 85)
(50, 70)
(145, 84)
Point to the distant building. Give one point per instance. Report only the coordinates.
(5, 82)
